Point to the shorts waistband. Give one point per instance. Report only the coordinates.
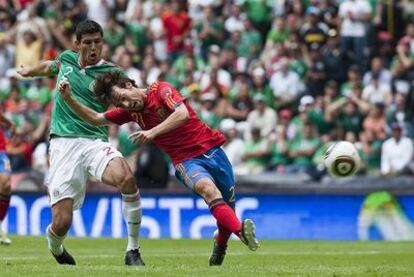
(211, 151)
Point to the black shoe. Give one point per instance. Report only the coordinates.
(65, 258)
(133, 257)
(218, 255)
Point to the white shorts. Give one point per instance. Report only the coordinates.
(72, 160)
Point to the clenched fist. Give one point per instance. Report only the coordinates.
(65, 90)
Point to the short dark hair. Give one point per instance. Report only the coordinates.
(87, 27)
(105, 82)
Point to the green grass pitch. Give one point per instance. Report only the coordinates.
(28, 256)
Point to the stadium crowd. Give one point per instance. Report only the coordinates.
(280, 78)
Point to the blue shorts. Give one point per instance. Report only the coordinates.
(5, 167)
(213, 165)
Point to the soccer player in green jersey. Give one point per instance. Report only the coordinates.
(78, 149)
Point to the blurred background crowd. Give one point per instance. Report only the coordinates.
(280, 78)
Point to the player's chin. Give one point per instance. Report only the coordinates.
(93, 58)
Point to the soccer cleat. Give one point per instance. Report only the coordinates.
(218, 255)
(248, 235)
(4, 239)
(65, 258)
(133, 257)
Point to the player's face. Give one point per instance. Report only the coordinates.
(90, 48)
(129, 98)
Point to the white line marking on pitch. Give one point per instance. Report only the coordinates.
(160, 254)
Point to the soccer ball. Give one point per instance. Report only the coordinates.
(342, 159)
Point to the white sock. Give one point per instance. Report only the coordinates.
(54, 242)
(131, 209)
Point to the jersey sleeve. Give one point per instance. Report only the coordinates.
(169, 96)
(118, 116)
(55, 67)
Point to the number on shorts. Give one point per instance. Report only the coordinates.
(232, 198)
(108, 150)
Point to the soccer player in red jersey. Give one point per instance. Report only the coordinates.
(167, 119)
(5, 172)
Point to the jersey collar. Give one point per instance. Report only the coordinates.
(92, 65)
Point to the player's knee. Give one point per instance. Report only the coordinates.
(5, 185)
(127, 184)
(208, 191)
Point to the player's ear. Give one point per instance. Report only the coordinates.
(128, 85)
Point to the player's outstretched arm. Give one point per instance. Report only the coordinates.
(42, 69)
(90, 116)
(173, 121)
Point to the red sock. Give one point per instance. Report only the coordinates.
(4, 205)
(222, 236)
(225, 216)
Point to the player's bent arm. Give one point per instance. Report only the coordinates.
(173, 121)
(90, 116)
(42, 69)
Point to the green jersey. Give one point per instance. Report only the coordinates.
(65, 123)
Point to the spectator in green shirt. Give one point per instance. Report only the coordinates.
(261, 86)
(349, 114)
(250, 41)
(279, 150)
(279, 31)
(354, 80)
(114, 35)
(210, 31)
(255, 154)
(369, 150)
(302, 150)
(188, 64)
(260, 13)
(207, 112)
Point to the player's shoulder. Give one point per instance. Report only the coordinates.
(161, 88)
(110, 64)
(163, 85)
(69, 54)
(107, 66)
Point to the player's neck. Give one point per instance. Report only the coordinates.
(84, 63)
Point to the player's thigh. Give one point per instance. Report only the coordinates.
(108, 165)
(224, 176)
(103, 159)
(195, 176)
(66, 176)
(117, 173)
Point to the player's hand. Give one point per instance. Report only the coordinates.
(64, 89)
(24, 72)
(142, 136)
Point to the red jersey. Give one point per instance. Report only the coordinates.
(190, 140)
(3, 140)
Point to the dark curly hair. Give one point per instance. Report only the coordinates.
(105, 82)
